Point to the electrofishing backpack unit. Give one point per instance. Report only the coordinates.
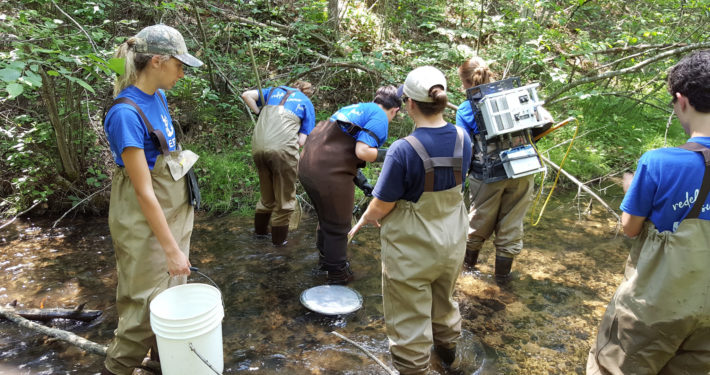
(506, 115)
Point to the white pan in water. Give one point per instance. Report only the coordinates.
(331, 299)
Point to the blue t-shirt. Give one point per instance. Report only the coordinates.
(402, 175)
(666, 185)
(465, 118)
(297, 103)
(368, 116)
(124, 127)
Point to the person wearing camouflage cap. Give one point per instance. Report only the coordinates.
(150, 218)
(164, 40)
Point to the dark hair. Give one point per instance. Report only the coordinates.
(386, 96)
(440, 100)
(691, 77)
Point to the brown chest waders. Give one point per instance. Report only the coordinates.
(326, 170)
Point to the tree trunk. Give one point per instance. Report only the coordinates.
(333, 16)
(69, 164)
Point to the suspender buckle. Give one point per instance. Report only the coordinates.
(349, 127)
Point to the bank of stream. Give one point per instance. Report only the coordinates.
(543, 322)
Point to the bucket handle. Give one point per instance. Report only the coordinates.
(206, 362)
(197, 270)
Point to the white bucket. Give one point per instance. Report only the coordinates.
(187, 322)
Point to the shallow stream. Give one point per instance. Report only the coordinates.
(542, 323)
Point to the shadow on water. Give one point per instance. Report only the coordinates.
(542, 323)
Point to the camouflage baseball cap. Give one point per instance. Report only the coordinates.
(164, 40)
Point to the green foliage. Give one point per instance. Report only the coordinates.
(228, 181)
(553, 42)
(24, 163)
(46, 43)
(606, 146)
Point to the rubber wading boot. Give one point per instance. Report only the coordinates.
(341, 275)
(150, 369)
(503, 266)
(154, 355)
(278, 235)
(447, 355)
(261, 224)
(105, 371)
(321, 268)
(471, 258)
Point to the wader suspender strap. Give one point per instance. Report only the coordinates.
(288, 93)
(705, 187)
(353, 129)
(155, 135)
(283, 100)
(455, 162)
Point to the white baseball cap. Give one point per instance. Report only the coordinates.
(419, 81)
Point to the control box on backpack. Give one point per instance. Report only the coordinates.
(506, 113)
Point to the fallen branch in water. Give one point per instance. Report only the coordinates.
(45, 315)
(583, 187)
(67, 336)
(389, 371)
(20, 214)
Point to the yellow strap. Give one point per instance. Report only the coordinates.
(534, 221)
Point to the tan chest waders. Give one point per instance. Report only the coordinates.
(140, 260)
(658, 321)
(423, 246)
(275, 153)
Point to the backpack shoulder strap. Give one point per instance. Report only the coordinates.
(155, 135)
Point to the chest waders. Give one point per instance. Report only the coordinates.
(423, 246)
(658, 321)
(141, 264)
(275, 153)
(498, 204)
(326, 170)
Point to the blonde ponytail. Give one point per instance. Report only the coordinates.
(133, 64)
(125, 52)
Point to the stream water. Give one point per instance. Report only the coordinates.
(542, 323)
